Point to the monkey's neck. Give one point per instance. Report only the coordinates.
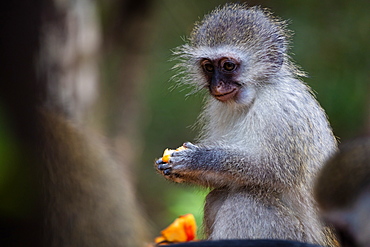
(223, 123)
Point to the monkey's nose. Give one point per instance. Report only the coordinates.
(220, 83)
(218, 88)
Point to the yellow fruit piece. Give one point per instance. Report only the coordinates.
(160, 239)
(183, 229)
(167, 153)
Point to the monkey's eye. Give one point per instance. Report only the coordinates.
(207, 66)
(229, 66)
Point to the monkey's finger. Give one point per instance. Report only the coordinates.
(190, 145)
(160, 161)
(164, 166)
(167, 172)
(176, 161)
(175, 154)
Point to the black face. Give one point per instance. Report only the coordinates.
(222, 77)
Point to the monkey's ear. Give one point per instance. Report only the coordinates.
(279, 48)
(276, 51)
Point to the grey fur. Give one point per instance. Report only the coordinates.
(260, 152)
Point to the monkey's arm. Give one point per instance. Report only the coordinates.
(218, 167)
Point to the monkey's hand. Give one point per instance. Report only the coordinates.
(180, 163)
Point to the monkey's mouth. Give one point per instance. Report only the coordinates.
(227, 95)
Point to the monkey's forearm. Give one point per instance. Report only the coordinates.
(218, 167)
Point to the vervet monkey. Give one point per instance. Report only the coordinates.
(264, 136)
(342, 191)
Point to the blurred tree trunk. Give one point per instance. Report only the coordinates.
(127, 32)
(69, 56)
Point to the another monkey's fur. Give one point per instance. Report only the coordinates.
(342, 191)
(264, 136)
(89, 195)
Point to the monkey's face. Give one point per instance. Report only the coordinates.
(222, 77)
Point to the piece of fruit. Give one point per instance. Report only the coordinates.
(183, 229)
(167, 153)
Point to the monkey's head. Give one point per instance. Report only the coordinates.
(233, 51)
